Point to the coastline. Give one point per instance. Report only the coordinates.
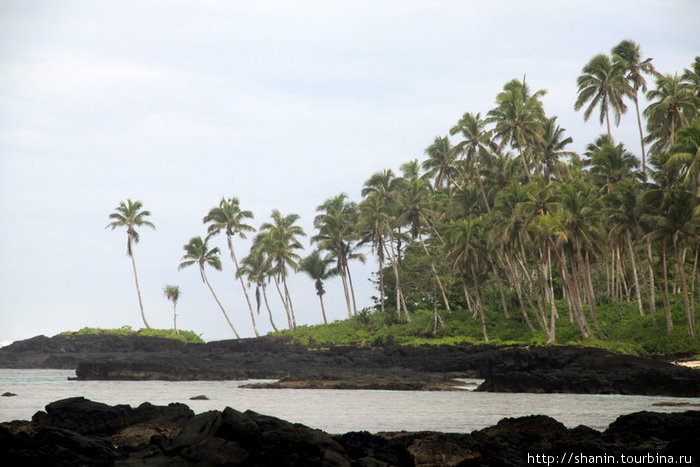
(77, 430)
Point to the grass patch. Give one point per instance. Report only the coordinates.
(185, 336)
(624, 330)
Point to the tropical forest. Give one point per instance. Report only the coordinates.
(500, 233)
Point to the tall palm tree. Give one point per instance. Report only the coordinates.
(129, 214)
(476, 148)
(627, 55)
(318, 270)
(517, 117)
(685, 155)
(602, 84)
(336, 232)
(674, 103)
(197, 252)
(257, 271)
(229, 217)
(279, 240)
(172, 293)
(441, 162)
(550, 148)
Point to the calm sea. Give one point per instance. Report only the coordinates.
(334, 411)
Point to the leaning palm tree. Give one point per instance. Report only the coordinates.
(279, 240)
(318, 270)
(256, 271)
(602, 85)
(129, 214)
(197, 252)
(228, 216)
(172, 293)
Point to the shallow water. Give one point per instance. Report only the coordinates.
(334, 411)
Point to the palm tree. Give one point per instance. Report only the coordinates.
(278, 239)
(627, 55)
(257, 271)
(476, 148)
(602, 85)
(318, 270)
(229, 217)
(517, 118)
(550, 148)
(172, 293)
(692, 76)
(197, 252)
(685, 154)
(674, 104)
(336, 231)
(131, 215)
(611, 164)
(441, 162)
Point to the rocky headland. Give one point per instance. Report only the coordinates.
(78, 431)
(542, 369)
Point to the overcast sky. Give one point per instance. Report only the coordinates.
(281, 104)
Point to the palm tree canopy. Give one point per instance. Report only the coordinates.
(602, 85)
(318, 269)
(279, 240)
(228, 216)
(685, 153)
(198, 252)
(129, 214)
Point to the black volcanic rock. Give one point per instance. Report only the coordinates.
(70, 433)
(547, 369)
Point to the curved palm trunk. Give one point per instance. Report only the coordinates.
(136, 280)
(689, 312)
(323, 308)
(206, 281)
(641, 135)
(435, 274)
(479, 305)
(352, 290)
(289, 301)
(381, 279)
(267, 305)
(284, 303)
(399, 294)
(245, 292)
(345, 289)
(637, 291)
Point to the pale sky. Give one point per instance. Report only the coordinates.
(281, 104)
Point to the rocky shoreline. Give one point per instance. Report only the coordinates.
(540, 369)
(78, 431)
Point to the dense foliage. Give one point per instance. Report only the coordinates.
(185, 336)
(501, 225)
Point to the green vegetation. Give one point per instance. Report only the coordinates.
(185, 336)
(505, 235)
(625, 331)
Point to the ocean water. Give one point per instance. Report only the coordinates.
(334, 411)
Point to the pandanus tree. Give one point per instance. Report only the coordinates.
(197, 252)
(130, 214)
(319, 270)
(172, 293)
(229, 217)
(602, 85)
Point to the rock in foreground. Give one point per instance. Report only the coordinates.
(77, 431)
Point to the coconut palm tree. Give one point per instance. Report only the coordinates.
(550, 148)
(279, 240)
(627, 55)
(517, 117)
(441, 164)
(257, 271)
(229, 217)
(129, 214)
(336, 232)
(685, 155)
(476, 148)
(674, 103)
(318, 270)
(610, 164)
(197, 252)
(602, 85)
(172, 293)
